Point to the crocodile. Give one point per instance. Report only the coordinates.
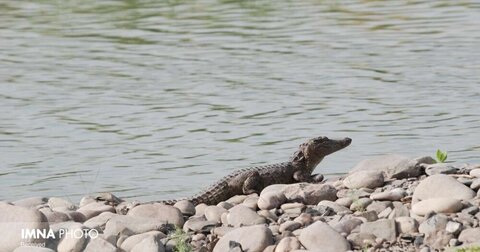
(254, 179)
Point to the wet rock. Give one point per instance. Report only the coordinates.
(240, 215)
(251, 238)
(99, 244)
(394, 166)
(406, 225)
(310, 194)
(469, 235)
(364, 179)
(129, 243)
(32, 202)
(321, 236)
(159, 212)
(384, 229)
(392, 195)
(214, 213)
(437, 205)
(186, 207)
(15, 218)
(440, 185)
(288, 244)
(95, 208)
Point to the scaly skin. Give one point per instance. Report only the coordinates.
(254, 179)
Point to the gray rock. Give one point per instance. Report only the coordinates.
(251, 202)
(406, 225)
(54, 217)
(288, 244)
(99, 244)
(186, 207)
(399, 210)
(214, 213)
(385, 213)
(346, 225)
(360, 204)
(199, 224)
(392, 195)
(437, 205)
(440, 185)
(346, 202)
(14, 219)
(469, 235)
(336, 207)
(129, 225)
(321, 237)
(364, 179)
(240, 215)
(453, 227)
(440, 168)
(368, 215)
(32, 202)
(475, 173)
(361, 239)
(384, 229)
(200, 209)
(150, 243)
(251, 238)
(310, 194)
(268, 214)
(55, 203)
(237, 199)
(99, 222)
(289, 226)
(271, 199)
(305, 219)
(433, 224)
(70, 243)
(379, 206)
(159, 212)
(225, 205)
(129, 243)
(475, 185)
(95, 208)
(107, 197)
(394, 166)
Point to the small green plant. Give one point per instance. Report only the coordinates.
(181, 240)
(469, 249)
(441, 156)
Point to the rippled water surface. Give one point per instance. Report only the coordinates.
(157, 99)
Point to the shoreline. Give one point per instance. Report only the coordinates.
(385, 203)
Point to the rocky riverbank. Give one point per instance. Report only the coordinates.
(387, 203)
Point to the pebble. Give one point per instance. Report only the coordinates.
(320, 235)
(406, 225)
(346, 202)
(251, 238)
(364, 179)
(475, 173)
(158, 212)
(437, 205)
(95, 208)
(214, 213)
(271, 200)
(441, 185)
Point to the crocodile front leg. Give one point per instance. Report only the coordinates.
(253, 183)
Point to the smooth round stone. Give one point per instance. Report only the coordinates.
(379, 206)
(251, 238)
(54, 217)
(129, 243)
(73, 243)
(383, 228)
(475, 184)
(199, 224)
(364, 179)
(437, 205)
(310, 194)
(14, 219)
(99, 244)
(346, 202)
(271, 200)
(186, 207)
(225, 205)
(320, 235)
(269, 214)
(237, 199)
(475, 173)
(251, 202)
(55, 202)
(469, 235)
(440, 185)
(241, 215)
(336, 207)
(32, 202)
(158, 212)
(288, 244)
(95, 208)
(392, 195)
(99, 222)
(150, 243)
(439, 168)
(200, 209)
(304, 218)
(214, 213)
(360, 204)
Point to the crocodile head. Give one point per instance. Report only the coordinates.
(311, 153)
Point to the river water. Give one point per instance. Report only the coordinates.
(158, 99)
